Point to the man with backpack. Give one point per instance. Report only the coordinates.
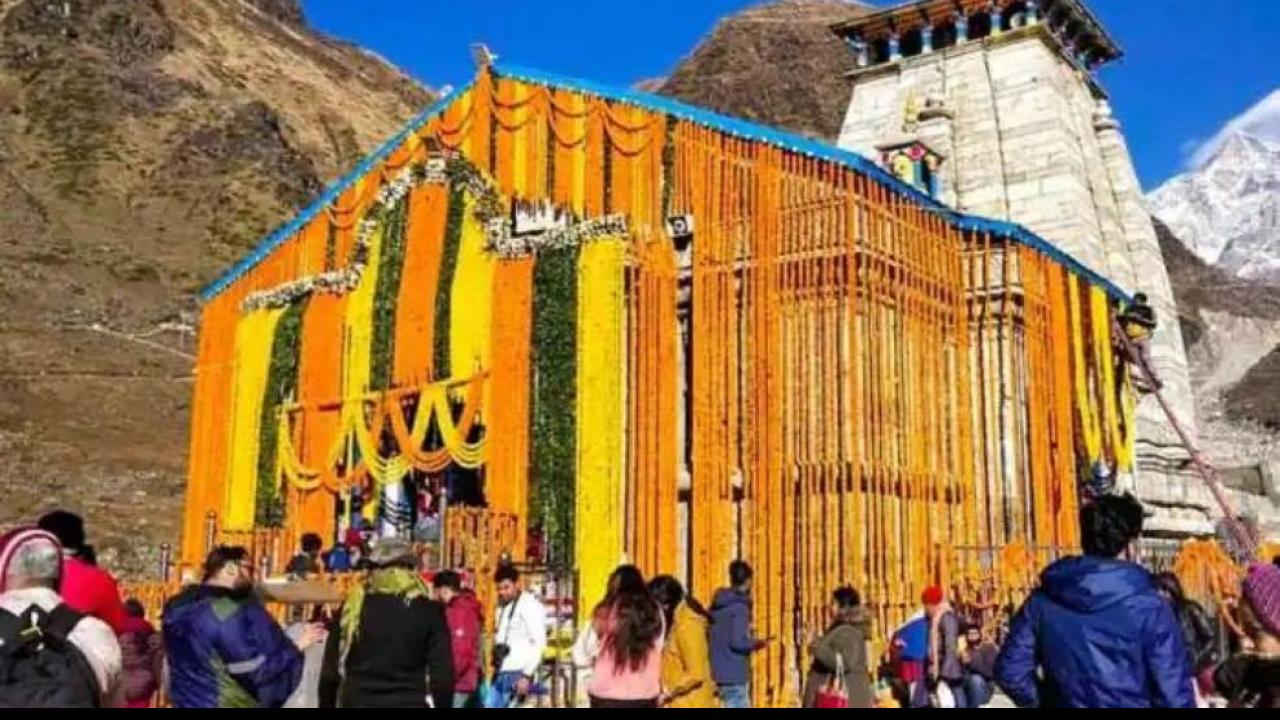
(50, 655)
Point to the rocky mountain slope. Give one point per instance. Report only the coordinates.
(1228, 210)
(776, 63)
(1232, 330)
(1223, 219)
(144, 145)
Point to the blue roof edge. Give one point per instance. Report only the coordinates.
(754, 131)
(734, 126)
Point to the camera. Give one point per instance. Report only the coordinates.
(499, 654)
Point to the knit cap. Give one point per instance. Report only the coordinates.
(1262, 590)
(12, 542)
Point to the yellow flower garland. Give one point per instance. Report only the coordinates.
(356, 372)
(255, 335)
(433, 404)
(601, 374)
(465, 454)
(471, 309)
(1100, 325)
(359, 323)
(1120, 421)
(288, 466)
(1090, 426)
(1124, 432)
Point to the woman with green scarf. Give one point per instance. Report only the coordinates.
(391, 640)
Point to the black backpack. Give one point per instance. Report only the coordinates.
(39, 667)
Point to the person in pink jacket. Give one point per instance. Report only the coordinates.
(86, 588)
(629, 624)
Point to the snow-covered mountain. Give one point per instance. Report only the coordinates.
(1227, 211)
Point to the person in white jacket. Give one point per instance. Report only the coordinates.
(519, 640)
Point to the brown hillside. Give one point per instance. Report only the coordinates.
(144, 145)
(777, 63)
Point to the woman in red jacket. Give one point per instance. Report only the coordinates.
(86, 588)
(465, 618)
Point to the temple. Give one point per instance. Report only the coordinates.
(927, 26)
(1004, 97)
(634, 330)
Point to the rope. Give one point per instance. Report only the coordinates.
(1206, 471)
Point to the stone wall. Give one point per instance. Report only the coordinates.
(1029, 138)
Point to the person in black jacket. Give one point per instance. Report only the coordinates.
(1197, 628)
(1139, 323)
(391, 641)
(979, 658)
(306, 562)
(1251, 677)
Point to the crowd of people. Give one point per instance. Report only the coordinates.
(1099, 631)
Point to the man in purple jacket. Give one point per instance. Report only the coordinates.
(1097, 629)
(224, 650)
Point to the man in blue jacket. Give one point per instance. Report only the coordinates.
(223, 649)
(1097, 629)
(732, 642)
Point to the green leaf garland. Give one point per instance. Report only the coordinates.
(448, 268)
(554, 424)
(386, 295)
(282, 386)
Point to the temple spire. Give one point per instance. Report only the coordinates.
(890, 35)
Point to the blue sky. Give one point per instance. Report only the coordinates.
(1192, 66)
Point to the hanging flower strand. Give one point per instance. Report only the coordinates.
(339, 282)
(489, 209)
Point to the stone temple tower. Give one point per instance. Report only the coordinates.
(1002, 93)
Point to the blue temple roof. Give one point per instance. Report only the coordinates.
(729, 125)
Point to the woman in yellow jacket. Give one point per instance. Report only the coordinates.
(686, 657)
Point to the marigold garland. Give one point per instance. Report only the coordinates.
(600, 412)
(1119, 401)
(358, 329)
(508, 412)
(415, 308)
(433, 409)
(1106, 391)
(470, 307)
(1090, 424)
(348, 278)
(255, 336)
